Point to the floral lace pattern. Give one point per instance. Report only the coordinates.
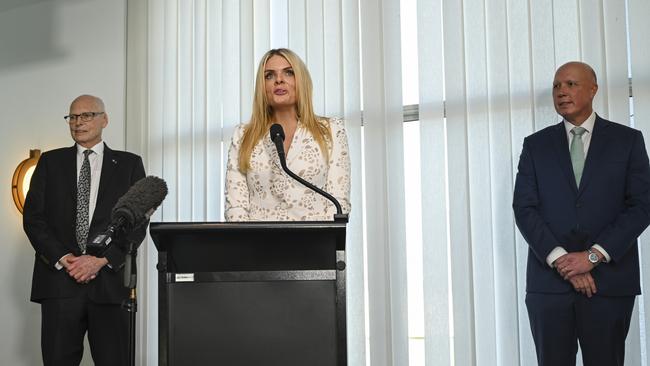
(267, 193)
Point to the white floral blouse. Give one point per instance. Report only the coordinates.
(267, 193)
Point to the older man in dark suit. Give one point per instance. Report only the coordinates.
(582, 198)
(70, 199)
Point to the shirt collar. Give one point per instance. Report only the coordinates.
(97, 149)
(588, 124)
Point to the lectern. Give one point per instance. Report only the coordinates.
(259, 293)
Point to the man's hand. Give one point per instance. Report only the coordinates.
(84, 268)
(65, 261)
(584, 284)
(573, 264)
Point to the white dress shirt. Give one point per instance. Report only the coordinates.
(95, 159)
(588, 125)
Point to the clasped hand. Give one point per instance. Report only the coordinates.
(83, 268)
(575, 268)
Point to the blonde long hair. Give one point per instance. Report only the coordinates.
(261, 118)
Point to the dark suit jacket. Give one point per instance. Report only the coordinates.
(49, 221)
(610, 208)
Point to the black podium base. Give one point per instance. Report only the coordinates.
(253, 323)
(251, 293)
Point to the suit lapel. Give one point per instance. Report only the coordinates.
(563, 156)
(109, 165)
(69, 169)
(596, 147)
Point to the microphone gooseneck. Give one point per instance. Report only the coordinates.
(277, 136)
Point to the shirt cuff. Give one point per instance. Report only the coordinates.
(556, 253)
(58, 265)
(600, 249)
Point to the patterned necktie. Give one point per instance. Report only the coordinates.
(83, 198)
(577, 153)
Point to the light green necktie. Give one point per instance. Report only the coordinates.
(577, 153)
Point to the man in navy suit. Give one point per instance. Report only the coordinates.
(79, 292)
(582, 198)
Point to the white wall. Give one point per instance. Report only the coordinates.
(51, 51)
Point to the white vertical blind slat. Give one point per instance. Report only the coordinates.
(155, 87)
(543, 64)
(380, 352)
(506, 295)
(247, 35)
(185, 114)
(384, 195)
(394, 216)
(230, 72)
(170, 111)
(459, 220)
(199, 125)
(351, 96)
(522, 101)
(567, 42)
(617, 86)
(279, 12)
(435, 266)
(315, 52)
(261, 31)
(298, 27)
(213, 104)
(332, 61)
(154, 162)
(591, 31)
(481, 276)
(633, 340)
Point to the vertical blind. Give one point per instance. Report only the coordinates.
(485, 69)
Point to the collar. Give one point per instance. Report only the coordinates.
(588, 124)
(97, 149)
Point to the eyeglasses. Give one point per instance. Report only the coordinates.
(85, 117)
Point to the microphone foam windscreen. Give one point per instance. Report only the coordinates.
(146, 194)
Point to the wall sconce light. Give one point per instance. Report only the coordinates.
(22, 177)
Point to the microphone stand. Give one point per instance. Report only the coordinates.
(131, 304)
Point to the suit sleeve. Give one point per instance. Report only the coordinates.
(621, 234)
(526, 208)
(35, 223)
(115, 254)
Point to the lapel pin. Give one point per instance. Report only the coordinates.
(114, 161)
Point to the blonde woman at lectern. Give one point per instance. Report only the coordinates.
(316, 149)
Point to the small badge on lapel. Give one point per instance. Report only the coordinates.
(114, 161)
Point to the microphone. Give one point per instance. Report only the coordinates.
(277, 136)
(131, 211)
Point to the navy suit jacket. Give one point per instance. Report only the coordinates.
(49, 221)
(611, 207)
